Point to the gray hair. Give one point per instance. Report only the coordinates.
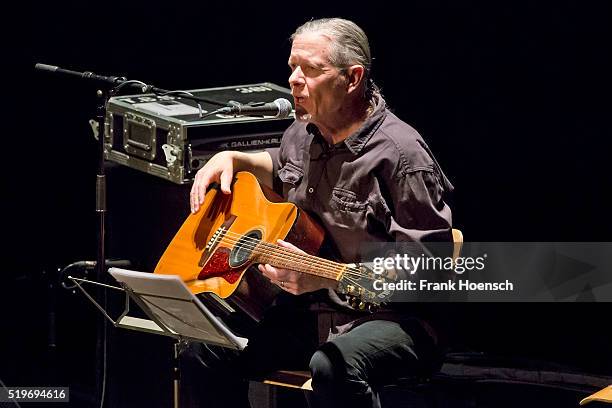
(349, 46)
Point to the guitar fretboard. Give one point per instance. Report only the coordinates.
(285, 258)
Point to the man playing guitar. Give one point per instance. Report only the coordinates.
(366, 176)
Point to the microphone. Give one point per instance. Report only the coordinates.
(280, 108)
(46, 67)
(84, 75)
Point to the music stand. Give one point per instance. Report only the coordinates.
(172, 309)
(175, 310)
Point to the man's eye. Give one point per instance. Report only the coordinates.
(310, 69)
(306, 69)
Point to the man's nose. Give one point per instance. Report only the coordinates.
(297, 77)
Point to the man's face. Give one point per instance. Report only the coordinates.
(318, 88)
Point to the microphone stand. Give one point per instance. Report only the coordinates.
(101, 209)
(113, 85)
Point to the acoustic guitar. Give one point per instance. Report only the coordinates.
(214, 248)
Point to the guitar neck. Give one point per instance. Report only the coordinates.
(310, 264)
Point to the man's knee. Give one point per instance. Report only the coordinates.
(336, 383)
(330, 371)
(321, 368)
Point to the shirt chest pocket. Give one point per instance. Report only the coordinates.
(290, 173)
(346, 201)
(291, 176)
(347, 212)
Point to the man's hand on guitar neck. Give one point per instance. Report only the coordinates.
(221, 168)
(293, 281)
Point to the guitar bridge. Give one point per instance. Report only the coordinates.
(219, 233)
(215, 239)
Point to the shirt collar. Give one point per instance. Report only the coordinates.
(356, 141)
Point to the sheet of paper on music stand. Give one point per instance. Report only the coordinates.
(171, 302)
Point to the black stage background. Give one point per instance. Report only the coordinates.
(510, 96)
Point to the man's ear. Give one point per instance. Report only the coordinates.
(354, 74)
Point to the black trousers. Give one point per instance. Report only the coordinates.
(347, 370)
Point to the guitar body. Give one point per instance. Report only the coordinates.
(212, 250)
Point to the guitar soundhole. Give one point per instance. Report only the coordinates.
(244, 248)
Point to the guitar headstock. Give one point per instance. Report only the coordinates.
(364, 288)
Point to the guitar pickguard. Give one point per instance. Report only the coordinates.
(218, 266)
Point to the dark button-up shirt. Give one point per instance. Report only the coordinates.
(381, 184)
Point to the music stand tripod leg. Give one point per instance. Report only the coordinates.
(176, 374)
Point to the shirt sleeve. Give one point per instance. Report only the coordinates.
(419, 213)
(420, 220)
(274, 153)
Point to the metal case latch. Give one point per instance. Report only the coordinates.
(139, 136)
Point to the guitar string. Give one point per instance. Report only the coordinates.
(235, 237)
(287, 255)
(288, 258)
(290, 253)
